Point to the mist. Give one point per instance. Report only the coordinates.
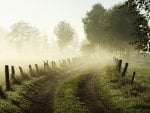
(99, 33)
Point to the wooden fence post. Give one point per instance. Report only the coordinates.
(60, 63)
(44, 64)
(69, 62)
(30, 70)
(52, 63)
(133, 76)
(119, 65)
(21, 71)
(125, 69)
(116, 63)
(36, 67)
(2, 94)
(8, 87)
(47, 65)
(64, 62)
(55, 64)
(12, 72)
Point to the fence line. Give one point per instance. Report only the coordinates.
(11, 76)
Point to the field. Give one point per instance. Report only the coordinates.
(75, 56)
(78, 87)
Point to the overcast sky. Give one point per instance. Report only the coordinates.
(45, 14)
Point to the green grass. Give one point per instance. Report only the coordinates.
(65, 97)
(120, 95)
(16, 102)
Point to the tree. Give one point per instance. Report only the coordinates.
(127, 25)
(143, 5)
(24, 36)
(22, 32)
(65, 33)
(118, 27)
(94, 24)
(141, 29)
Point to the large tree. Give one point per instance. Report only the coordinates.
(128, 24)
(24, 35)
(94, 24)
(121, 25)
(22, 32)
(64, 33)
(141, 29)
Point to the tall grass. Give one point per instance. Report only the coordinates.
(124, 98)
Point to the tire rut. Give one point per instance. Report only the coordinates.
(45, 98)
(87, 94)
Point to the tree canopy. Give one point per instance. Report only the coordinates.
(122, 25)
(23, 33)
(94, 24)
(64, 33)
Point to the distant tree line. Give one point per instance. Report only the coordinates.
(23, 34)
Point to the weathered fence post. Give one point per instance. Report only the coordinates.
(125, 69)
(8, 88)
(36, 67)
(53, 64)
(116, 63)
(2, 94)
(119, 65)
(69, 62)
(60, 63)
(64, 62)
(44, 64)
(133, 76)
(30, 70)
(21, 71)
(12, 72)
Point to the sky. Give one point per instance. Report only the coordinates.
(45, 14)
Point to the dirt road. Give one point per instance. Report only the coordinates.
(88, 95)
(44, 100)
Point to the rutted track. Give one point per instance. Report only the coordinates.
(44, 100)
(88, 95)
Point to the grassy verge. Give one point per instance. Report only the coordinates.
(18, 100)
(124, 98)
(65, 98)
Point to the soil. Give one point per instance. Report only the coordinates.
(88, 95)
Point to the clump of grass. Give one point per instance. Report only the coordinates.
(2, 94)
(16, 102)
(66, 100)
(123, 97)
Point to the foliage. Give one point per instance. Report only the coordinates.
(65, 33)
(94, 24)
(143, 5)
(17, 101)
(141, 29)
(66, 100)
(121, 25)
(23, 33)
(126, 98)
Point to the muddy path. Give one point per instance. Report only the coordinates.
(44, 98)
(88, 95)
(42, 102)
